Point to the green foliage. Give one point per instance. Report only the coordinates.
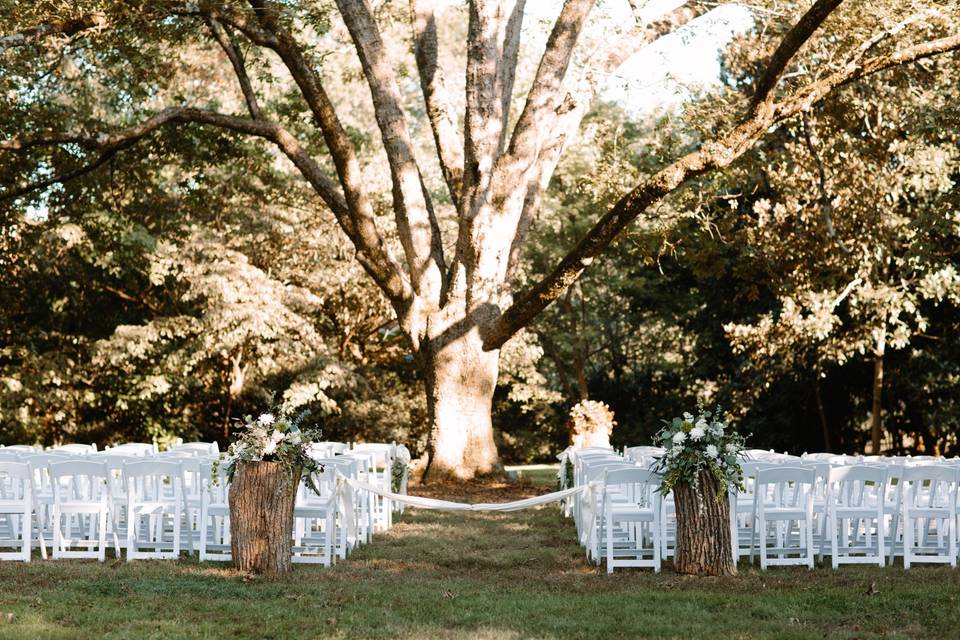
(698, 444)
(285, 439)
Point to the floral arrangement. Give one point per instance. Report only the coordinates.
(274, 438)
(591, 423)
(695, 444)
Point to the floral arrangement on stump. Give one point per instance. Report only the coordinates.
(264, 465)
(700, 466)
(591, 423)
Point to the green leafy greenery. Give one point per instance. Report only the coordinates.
(698, 444)
(284, 439)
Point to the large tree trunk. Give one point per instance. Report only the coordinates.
(460, 379)
(261, 517)
(703, 530)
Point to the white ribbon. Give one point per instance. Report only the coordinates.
(446, 505)
(345, 497)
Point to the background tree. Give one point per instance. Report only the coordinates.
(456, 313)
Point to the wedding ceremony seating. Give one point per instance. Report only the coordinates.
(792, 509)
(150, 504)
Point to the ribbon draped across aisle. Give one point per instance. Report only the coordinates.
(344, 484)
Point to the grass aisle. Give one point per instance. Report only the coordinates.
(494, 576)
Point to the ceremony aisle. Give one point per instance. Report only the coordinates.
(471, 575)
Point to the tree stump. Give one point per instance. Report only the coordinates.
(262, 497)
(703, 530)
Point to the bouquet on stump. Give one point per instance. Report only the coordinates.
(264, 466)
(700, 466)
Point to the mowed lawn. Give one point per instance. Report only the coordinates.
(495, 576)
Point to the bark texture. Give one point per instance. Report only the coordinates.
(261, 518)
(703, 530)
(461, 378)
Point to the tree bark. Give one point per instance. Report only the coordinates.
(703, 530)
(261, 517)
(460, 380)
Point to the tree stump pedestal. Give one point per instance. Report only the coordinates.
(262, 497)
(703, 529)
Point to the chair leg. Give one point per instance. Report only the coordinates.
(609, 527)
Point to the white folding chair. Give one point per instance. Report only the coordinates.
(929, 515)
(630, 529)
(315, 520)
(215, 517)
(784, 497)
(854, 519)
(381, 476)
(81, 508)
(154, 509)
(16, 511)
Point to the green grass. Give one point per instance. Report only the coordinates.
(497, 576)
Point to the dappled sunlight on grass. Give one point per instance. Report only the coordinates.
(471, 575)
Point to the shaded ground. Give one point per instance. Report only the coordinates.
(496, 576)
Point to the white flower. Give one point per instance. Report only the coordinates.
(276, 436)
(731, 448)
(679, 437)
(294, 437)
(712, 451)
(269, 447)
(266, 418)
(676, 450)
(697, 432)
(702, 424)
(688, 417)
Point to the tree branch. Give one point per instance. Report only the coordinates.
(485, 119)
(714, 154)
(439, 110)
(795, 38)
(371, 254)
(239, 68)
(540, 110)
(416, 224)
(64, 28)
(576, 105)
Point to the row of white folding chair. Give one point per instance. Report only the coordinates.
(629, 521)
(867, 513)
(56, 476)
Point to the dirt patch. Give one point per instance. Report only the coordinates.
(481, 490)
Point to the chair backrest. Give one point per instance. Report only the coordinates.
(640, 486)
(78, 449)
(335, 447)
(929, 485)
(382, 453)
(201, 448)
(79, 480)
(27, 448)
(16, 481)
(153, 481)
(785, 486)
(858, 485)
(139, 449)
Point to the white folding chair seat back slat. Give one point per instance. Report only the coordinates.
(854, 522)
(154, 509)
(929, 514)
(630, 516)
(16, 511)
(783, 496)
(81, 508)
